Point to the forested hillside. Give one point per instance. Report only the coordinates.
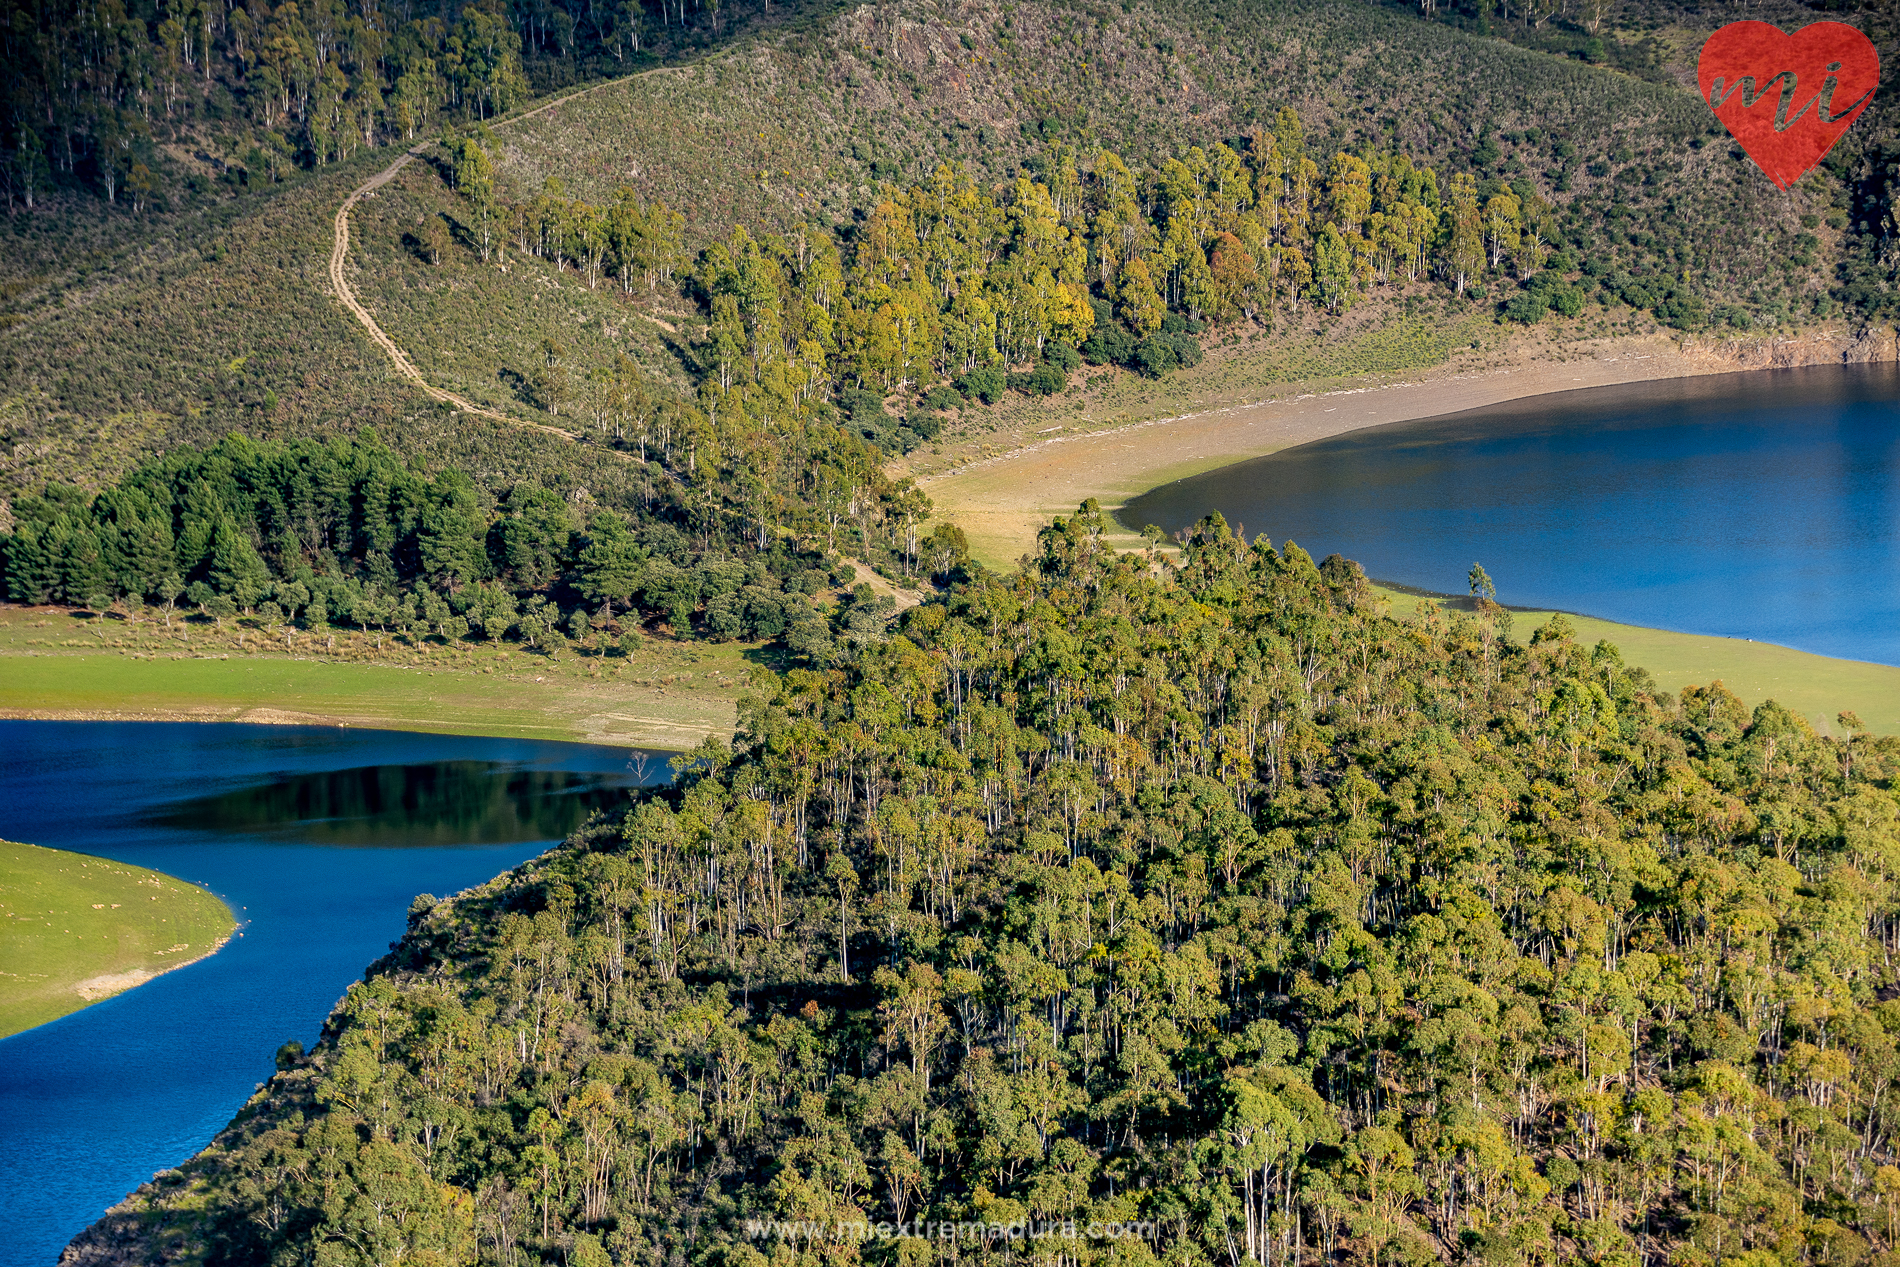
(1643, 181)
(1547, 182)
(1201, 898)
(699, 538)
(157, 103)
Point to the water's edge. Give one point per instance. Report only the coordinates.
(1627, 504)
(277, 822)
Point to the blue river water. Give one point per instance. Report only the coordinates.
(1761, 505)
(318, 839)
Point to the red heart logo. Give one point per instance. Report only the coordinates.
(1787, 98)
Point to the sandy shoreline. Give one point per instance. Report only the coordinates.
(1001, 501)
(208, 714)
(596, 729)
(95, 989)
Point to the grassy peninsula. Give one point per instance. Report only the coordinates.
(75, 929)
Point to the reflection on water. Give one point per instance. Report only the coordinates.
(1762, 505)
(404, 806)
(93, 1103)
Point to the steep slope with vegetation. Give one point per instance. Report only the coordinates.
(1639, 170)
(1556, 184)
(157, 105)
(1209, 900)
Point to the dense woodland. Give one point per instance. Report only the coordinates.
(1205, 896)
(346, 534)
(101, 92)
(948, 282)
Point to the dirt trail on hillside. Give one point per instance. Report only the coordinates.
(904, 599)
(339, 254)
(340, 249)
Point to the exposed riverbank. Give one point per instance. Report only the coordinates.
(78, 666)
(1001, 500)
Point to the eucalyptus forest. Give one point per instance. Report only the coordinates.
(1202, 897)
(1156, 901)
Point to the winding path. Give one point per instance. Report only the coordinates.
(339, 253)
(340, 249)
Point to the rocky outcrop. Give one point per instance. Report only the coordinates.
(134, 1233)
(1815, 347)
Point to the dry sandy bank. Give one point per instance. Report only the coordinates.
(1001, 501)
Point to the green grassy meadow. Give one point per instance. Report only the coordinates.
(667, 694)
(75, 929)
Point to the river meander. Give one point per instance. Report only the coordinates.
(318, 839)
(1763, 505)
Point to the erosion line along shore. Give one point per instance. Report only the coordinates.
(1000, 499)
(95, 989)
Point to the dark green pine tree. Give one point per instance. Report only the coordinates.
(82, 567)
(141, 549)
(611, 564)
(234, 568)
(32, 574)
(451, 538)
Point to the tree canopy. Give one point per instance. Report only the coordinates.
(347, 533)
(1202, 897)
